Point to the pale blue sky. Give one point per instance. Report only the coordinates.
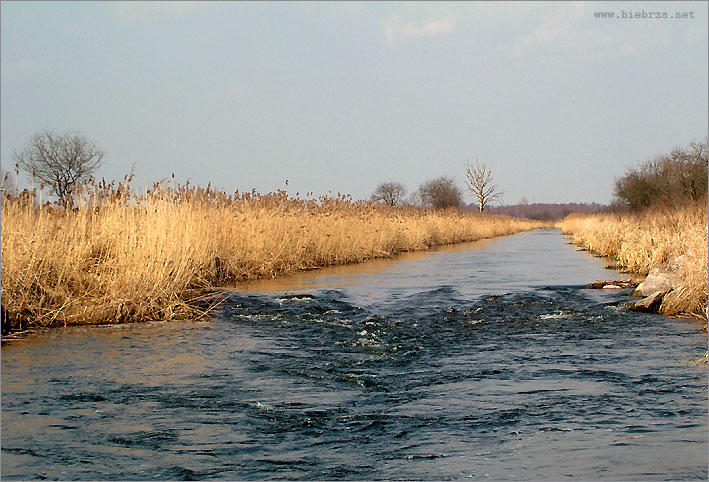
(342, 96)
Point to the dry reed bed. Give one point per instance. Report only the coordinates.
(150, 257)
(640, 242)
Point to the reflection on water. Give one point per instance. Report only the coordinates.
(382, 271)
(487, 362)
(488, 267)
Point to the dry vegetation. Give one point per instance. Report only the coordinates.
(651, 239)
(119, 257)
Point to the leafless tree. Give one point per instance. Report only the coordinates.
(671, 179)
(391, 193)
(440, 193)
(60, 161)
(479, 182)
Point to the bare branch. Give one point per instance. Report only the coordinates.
(479, 182)
(60, 161)
(440, 193)
(391, 193)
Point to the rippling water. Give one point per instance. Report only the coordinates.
(486, 360)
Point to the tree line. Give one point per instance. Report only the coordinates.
(443, 192)
(547, 211)
(62, 162)
(670, 179)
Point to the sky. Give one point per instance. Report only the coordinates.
(337, 97)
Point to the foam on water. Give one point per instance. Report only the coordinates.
(448, 376)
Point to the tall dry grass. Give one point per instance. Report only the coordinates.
(651, 239)
(119, 257)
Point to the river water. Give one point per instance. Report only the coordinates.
(485, 360)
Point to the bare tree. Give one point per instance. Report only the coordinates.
(61, 161)
(414, 199)
(440, 193)
(391, 193)
(673, 178)
(479, 182)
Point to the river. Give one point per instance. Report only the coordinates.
(483, 360)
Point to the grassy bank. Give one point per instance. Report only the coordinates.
(149, 257)
(651, 239)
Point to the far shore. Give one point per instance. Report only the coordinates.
(155, 257)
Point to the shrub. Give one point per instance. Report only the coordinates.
(671, 179)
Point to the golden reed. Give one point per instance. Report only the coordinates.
(651, 239)
(120, 257)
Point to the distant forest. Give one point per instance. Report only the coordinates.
(544, 211)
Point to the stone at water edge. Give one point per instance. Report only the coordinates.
(657, 280)
(649, 304)
(661, 279)
(612, 284)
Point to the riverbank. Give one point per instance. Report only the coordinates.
(120, 257)
(656, 238)
(409, 371)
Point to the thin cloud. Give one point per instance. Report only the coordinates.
(697, 33)
(395, 28)
(22, 68)
(237, 91)
(567, 34)
(351, 8)
(345, 9)
(138, 13)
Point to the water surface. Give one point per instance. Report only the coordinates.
(488, 360)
